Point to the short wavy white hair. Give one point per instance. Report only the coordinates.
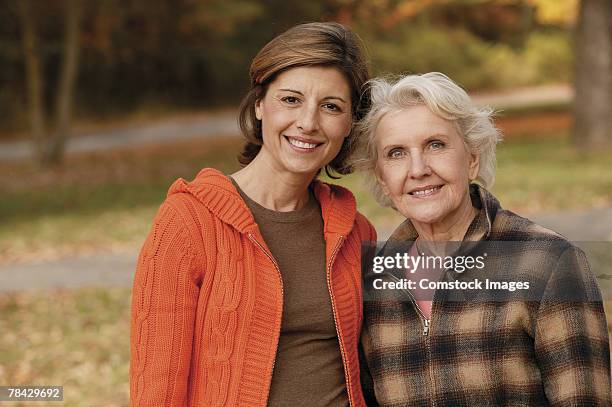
(444, 98)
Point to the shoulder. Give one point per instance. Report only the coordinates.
(504, 225)
(507, 225)
(531, 241)
(210, 192)
(188, 203)
(365, 228)
(341, 195)
(192, 213)
(551, 250)
(176, 217)
(340, 201)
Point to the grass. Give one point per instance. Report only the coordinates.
(106, 201)
(77, 339)
(549, 175)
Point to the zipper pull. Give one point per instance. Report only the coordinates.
(426, 328)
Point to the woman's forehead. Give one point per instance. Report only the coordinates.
(320, 79)
(414, 121)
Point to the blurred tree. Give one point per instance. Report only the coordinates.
(556, 12)
(149, 56)
(49, 136)
(493, 20)
(593, 75)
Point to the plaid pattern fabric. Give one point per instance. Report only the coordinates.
(552, 351)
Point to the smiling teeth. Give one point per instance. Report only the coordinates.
(425, 191)
(301, 144)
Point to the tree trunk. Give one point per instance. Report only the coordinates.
(65, 91)
(50, 143)
(34, 81)
(593, 75)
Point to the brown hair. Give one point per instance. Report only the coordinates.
(320, 44)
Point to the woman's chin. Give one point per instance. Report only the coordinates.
(297, 166)
(424, 216)
(302, 170)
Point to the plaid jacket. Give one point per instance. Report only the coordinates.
(551, 350)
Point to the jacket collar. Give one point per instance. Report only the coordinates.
(479, 229)
(218, 194)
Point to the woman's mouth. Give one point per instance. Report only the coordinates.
(302, 145)
(426, 191)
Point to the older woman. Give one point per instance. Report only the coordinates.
(457, 336)
(247, 291)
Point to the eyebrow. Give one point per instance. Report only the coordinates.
(426, 140)
(436, 135)
(301, 94)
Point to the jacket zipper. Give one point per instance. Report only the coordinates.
(280, 278)
(426, 322)
(428, 347)
(331, 296)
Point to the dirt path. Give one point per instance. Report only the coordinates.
(165, 131)
(526, 97)
(118, 269)
(207, 125)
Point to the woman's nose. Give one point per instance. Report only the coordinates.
(308, 120)
(418, 165)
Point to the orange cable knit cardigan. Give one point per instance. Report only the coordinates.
(207, 297)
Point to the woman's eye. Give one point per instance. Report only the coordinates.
(290, 100)
(332, 107)
(436, 145)
(395, 153)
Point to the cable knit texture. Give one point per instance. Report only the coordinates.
(207, 297)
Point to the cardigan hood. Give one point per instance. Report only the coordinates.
(218, 194)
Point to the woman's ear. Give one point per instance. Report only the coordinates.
(258, 112)
(381, 182)
(473, 166)
(351, 130)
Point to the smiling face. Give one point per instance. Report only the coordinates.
(424, 166)
(305, 115)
